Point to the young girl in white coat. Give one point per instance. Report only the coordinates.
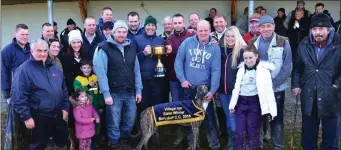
(252, 97)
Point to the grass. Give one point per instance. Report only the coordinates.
(167, 136)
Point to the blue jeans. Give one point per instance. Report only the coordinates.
(120, 116)
(276, 126)
(230, 119)
(176, 91)
(310, 131)
(209, 121)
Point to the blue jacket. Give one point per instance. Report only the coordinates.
(99, 26)
(12, 56)
(100, 63)
(39, 90)
(147, 63)
(89, 49)
(319, 77)
(132, 35)
(198, 64)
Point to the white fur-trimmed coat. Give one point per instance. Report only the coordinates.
(264, 87)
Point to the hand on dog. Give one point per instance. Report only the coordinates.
(138, 98)
(208, 97)
(109, 100)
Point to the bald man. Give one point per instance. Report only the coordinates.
(91, 38)
(198, 63)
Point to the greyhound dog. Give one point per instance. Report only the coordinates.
(148, 127)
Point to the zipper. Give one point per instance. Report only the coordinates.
(227, 59)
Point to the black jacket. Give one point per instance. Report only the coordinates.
(89, 49)
(210, 20)
(338, 27)
(39, 90)
(279, 27)
(228, 74)
(297, 35)
(319, 80)
(71, 69)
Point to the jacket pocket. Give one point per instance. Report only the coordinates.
(330, 100)
(277, 52)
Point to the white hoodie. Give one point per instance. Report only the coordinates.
(264, 88)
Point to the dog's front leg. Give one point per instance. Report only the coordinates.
(195, 130)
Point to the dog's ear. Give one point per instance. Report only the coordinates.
(202, 91)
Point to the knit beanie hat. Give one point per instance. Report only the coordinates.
(119, 24)
(320, 20)
(75, 35)
(266, 19)
(150, 19)
(282, 10)
(70, 22)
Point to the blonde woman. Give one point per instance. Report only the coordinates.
(231, 56)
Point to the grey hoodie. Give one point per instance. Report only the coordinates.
(198, 64)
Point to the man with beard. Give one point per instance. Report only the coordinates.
(90, 37)
(276, 49)
(135, 28)
(219, 23)
(106, 16)
(291, 15)
(47, 32)
(316, 79)
(179, 35)
(119, 78)
(193, 21)
(167, 27)
(254, 28)
(64, 35)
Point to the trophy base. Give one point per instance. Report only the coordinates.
(159, 75)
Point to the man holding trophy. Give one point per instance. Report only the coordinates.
(150, 49)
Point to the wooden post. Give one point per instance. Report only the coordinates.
(83, 8)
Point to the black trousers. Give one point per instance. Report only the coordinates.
(153, 93)
(46, 127)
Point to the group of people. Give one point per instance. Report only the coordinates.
(93, 84)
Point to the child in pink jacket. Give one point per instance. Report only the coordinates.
(85, 117)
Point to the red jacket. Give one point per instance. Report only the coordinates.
(248, 36)
(175, 41)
